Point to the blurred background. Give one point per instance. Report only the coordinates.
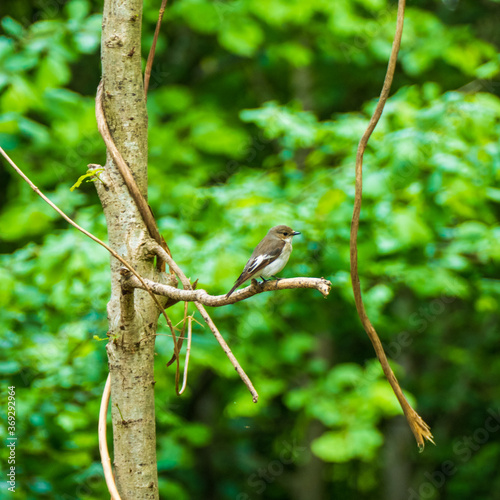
(255, 111)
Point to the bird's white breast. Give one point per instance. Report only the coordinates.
(277, 265)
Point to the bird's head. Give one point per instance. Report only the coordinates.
(283, 232)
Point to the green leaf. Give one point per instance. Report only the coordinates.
(89, 176)
(243, 37)
(9, 367)
(341, 446)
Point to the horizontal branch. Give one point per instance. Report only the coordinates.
(201, 296)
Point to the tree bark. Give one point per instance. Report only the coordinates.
(132, 314)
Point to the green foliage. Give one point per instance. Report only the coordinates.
(255, 111)
(350, 401)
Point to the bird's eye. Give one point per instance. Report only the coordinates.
(285, 233)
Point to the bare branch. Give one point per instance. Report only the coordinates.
(201, 296)
(419, 428)
(65, 217)
(151, 56)
(229, 354)
(92, 237)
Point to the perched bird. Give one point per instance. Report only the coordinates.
(269, 257)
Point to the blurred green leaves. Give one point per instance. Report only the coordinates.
(255, 111)
(350, 401)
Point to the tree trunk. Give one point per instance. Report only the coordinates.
(132, 314)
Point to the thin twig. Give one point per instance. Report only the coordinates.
(123, 168)
(188, 350)
(201, 296)
(103, 444)
(66, 218)
(151, 56)
(187, 285)
(179, 346)
(229, 354)
(181, 336)
(419, 428)
(92, 237)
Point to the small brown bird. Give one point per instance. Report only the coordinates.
(269, 257)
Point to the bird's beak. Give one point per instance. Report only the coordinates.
(295, 233)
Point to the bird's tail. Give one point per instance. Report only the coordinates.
(241, 279)
(228, 294)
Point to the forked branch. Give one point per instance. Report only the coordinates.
(419, 428)
(201, 296)
(160, 252)
(92, 237)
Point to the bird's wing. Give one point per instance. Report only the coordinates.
(258, 261)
